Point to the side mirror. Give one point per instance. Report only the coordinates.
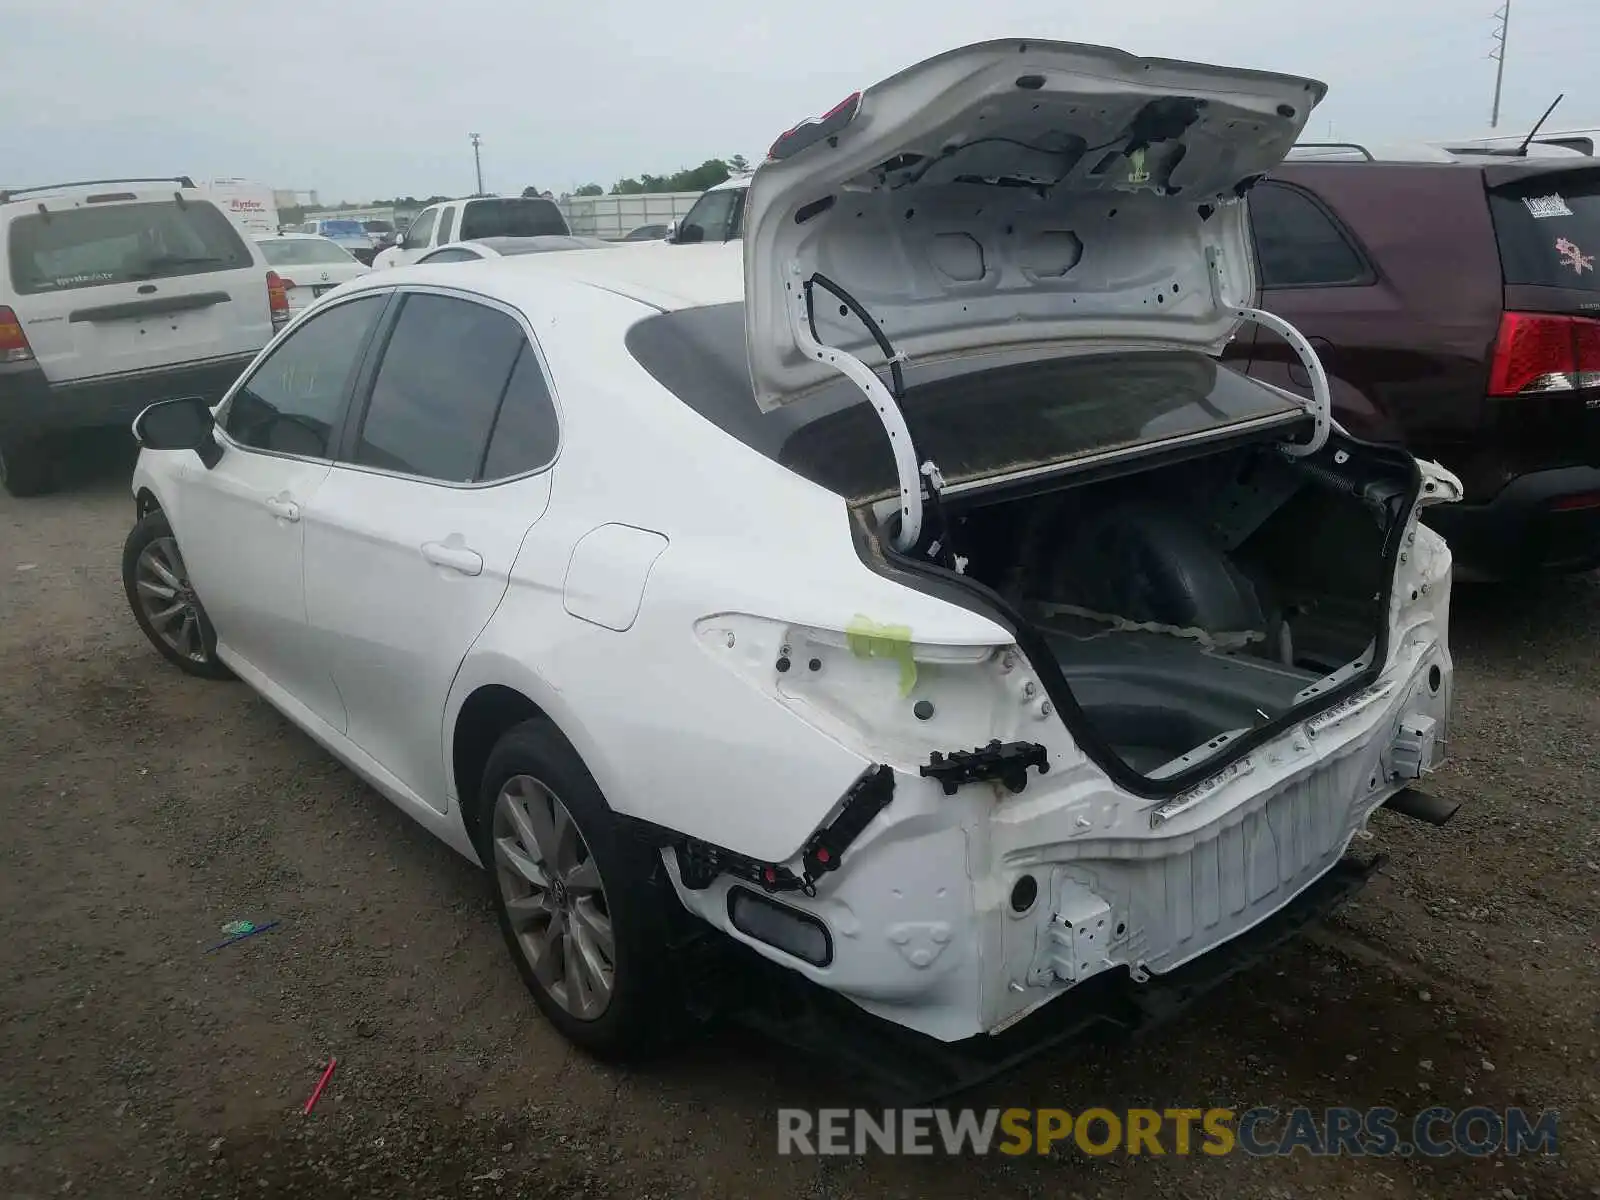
(181, 424)
(672, 232)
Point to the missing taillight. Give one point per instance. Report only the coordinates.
(1544, 352)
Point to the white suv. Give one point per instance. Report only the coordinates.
(949, 650)
(114, 294)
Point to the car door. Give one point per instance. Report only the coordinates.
(1314, 276)
(240, 522)
(411, 538)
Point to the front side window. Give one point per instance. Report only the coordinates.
(1298, 244)
(421, 230)
(447, 219)
(293, 402)
(439, 388)
(121, 243)
(711, 219)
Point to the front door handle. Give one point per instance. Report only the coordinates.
(453, 557)
(282, 508)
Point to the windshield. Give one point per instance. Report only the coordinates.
(1548, 227)
(510, 218)
(378, 227)
(89, 247)
(342, 229)
(303, 251)
(1023, 409)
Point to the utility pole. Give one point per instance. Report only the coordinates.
(477, 159)
(1499, 56)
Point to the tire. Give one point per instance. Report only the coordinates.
(156, 581)
(26, 469)
(534, 768)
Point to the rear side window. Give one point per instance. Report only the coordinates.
(121, 243)
(526, 432)
(437, 393)
(528, 217)
(294, 401)
(1298, 244)
(1549, 230)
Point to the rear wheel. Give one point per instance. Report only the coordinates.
(582, 906)
(164, 602)
(25, 467)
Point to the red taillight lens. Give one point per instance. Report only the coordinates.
(807, 133)
(278, 298)
(1539, 352)
(13, 342)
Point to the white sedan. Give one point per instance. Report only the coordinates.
(908, 594)
(307, 265)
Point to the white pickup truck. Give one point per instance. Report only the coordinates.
(470, 220)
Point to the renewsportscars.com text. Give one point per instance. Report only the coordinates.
(1261, 1132)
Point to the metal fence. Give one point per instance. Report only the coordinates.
(614, 216)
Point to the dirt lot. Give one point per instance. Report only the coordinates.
(146, 809)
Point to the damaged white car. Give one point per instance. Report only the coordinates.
(909, 594)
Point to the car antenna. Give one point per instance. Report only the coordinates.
(1522, 150)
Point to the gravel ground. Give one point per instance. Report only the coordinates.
(147, 809)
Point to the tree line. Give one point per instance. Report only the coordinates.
(689, 179)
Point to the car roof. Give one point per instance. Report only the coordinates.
(666, 278)
(291, 237)
(736, 181)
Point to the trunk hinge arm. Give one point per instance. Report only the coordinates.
(1320, 406)
(883, 403)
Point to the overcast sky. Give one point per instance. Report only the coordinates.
(375, 98)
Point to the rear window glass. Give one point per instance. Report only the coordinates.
(295, 252)
(510, 218)
(120, 243)
(342, 229)
(1548, 227)
(1026, 409)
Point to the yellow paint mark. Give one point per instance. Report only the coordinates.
(868, 639)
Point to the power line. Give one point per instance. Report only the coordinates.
(1499, 56)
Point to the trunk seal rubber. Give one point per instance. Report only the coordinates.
(978, 597)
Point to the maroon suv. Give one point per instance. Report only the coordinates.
(1453, 305)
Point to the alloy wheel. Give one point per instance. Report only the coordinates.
(169, 603)
(554, 897)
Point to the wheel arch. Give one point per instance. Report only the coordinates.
(491, 698)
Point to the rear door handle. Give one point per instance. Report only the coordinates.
(285, 510)
(453, 558)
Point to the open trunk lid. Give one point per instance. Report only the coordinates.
(1013, 193)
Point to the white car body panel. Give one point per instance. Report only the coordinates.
(1095, 254)
(642, 590)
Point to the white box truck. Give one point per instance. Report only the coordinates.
(249, 205)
